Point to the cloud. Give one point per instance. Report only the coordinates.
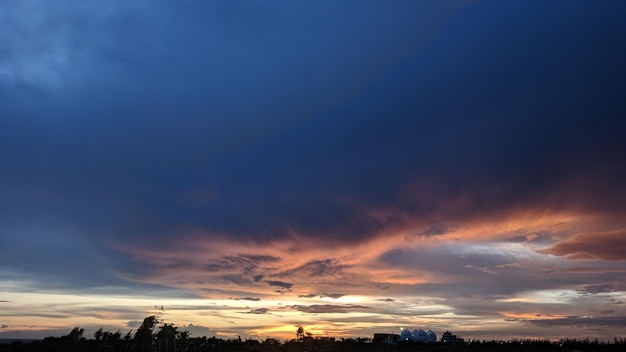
(332, 295)
(604, 288)
(257, 311)
(485, 270)
(237, 279)
(198, 330)
(609, 245)
(594, 269)
(245, 298)
(317, 268)
(436, 229)
(328, 308)
(134, 323)
(584, 321)
(322, 295)
(281, 284)
(245, 263)
(604, 311)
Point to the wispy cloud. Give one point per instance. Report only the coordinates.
(329, 308)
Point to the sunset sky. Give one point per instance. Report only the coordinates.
(350, 167)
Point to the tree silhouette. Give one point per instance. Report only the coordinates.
(167, 338)
(300, 333)
(76, 334)
(143, 336)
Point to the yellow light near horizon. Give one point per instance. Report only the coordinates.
(544, 296)
(351, 299)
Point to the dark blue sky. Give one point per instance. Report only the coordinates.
(138, 126)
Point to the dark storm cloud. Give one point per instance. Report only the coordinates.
(223, 55)
(148, 118)
(491, 160)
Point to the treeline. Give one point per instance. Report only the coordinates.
(147, 338)
(168, 338)
(562, 345)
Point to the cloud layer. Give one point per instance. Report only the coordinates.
(449, 166)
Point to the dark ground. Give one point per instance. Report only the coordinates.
(65, 344)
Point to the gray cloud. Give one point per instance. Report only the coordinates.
(483, 269)
(323, 295)
(257, 311)
(198, 330)
(245, 298)
(437, 229)
(281, 284)
(237, 279)
(603, 288)
(317, 268)
(618, 321)
(134, 323)
(332, 295)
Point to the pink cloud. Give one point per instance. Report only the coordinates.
(609, 245)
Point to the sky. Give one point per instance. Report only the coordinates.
(351, 167)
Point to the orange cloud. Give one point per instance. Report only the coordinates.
(528, 316)
(610, 245)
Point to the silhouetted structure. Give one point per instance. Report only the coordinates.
(448, 337)
(385, 338)
(417, 336)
